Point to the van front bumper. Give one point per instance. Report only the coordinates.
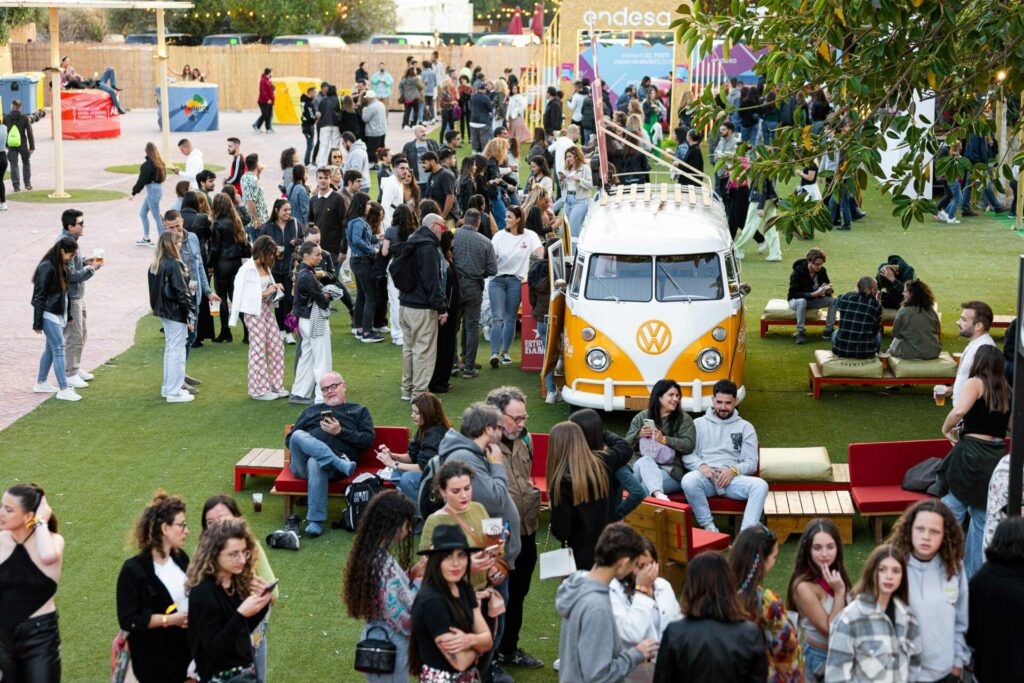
(601, 395)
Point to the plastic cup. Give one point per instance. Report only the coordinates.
(257, 502)
(939, 394)
(215, 308)
(99, 254)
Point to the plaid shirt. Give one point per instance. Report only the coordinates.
(860, 319)
(863, 645)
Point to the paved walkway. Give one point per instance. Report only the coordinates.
(117, 296)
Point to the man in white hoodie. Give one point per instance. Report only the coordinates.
(724, 460)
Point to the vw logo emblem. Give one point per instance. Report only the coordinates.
(653, 337)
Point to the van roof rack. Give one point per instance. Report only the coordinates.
(622, 195)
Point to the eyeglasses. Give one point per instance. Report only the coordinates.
(80, 222)
(238, 555)
(521, 419)
(183, 525)
(331, 387)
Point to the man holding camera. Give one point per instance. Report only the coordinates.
(325, 444)
(23, 150)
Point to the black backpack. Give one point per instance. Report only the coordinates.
(428, 501)
(357, 497)
(403, 267)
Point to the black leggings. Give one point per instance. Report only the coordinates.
(224, 281)
(284, 304)
(366, 296)
(30, 652)
(3, 171)
(411, 113)
(266, 115)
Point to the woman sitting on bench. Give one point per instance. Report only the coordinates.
(915, 331)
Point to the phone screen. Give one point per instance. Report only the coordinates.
(270, 588)
(324, 414)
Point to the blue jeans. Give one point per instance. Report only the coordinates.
(549, 379)
(974, 555)
(768, 132)
(653, 478)
(498, 210)
(401, 642)
(840, 207)
(151, 207)
(109, 77)
(175, 338)
(636, 492)
(987, 192)
(697, 488)
(325, 467)
(814, 660)
(575, 212)
(748, 134)
(505, 294)
(408, 482)
(956, 192)
(310, 134)
(53, 354)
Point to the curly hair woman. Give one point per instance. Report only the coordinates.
(151, 602)
(221, 586)
(377, 588)
(915, 332)
(932, 541)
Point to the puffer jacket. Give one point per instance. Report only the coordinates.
(169, 296)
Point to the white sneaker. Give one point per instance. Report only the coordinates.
(761, 248)
(506, 359)
(551, 397)
(3, 206)
(143, 242)
(182, 397)
(76, 382)
(711, 527)
(87, 376)
(44, 388)
(282, 333)
(556, 665)
(289, 339)
(68, 394)
(952, 221)
(281, 393)
(269, 396)
(487, 333)
(660, 495)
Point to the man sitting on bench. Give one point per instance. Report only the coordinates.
(860, 335)
(724, 460)
(325, 444)
(893, 275)
(809, 287)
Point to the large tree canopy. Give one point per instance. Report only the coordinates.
(873, 57)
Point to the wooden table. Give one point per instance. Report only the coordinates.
(789, 512)
(259, 461)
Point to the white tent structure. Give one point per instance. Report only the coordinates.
(161, 53)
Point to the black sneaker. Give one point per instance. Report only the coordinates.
(827, 335)
(499, 675)
(371, 338)
(519, 659)
(800, 338)
(968, 212)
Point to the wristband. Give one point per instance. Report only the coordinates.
(645, 590)
(735, 471)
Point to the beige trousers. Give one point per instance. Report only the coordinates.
(74, 336)
(419, 349)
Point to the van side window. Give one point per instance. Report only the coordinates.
(612, 277)
(732, 275)
(577, 276)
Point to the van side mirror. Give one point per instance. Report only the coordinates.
(560, 285)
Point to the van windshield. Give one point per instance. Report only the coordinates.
(619, 278)
(690, 277)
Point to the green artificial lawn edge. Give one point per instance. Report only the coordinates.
(133, 169)
(43, 196)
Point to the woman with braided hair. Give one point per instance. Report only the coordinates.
(151, 602)
(752, 556)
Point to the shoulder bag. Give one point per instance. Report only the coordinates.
(376, 655)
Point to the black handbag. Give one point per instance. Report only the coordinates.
(375, 655)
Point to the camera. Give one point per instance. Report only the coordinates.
(36, 116)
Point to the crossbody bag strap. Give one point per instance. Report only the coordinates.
(465, 527)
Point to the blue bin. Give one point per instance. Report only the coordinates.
(19, 87)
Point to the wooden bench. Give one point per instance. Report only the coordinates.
(788, 512)
(815, 380)
(292, 488)
(1001, 322)
(259, 462)
(669, 526)
(816, 318)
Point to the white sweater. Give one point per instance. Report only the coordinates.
(248, 296)
(643, 618)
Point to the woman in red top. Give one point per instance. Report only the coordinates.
(266, 102)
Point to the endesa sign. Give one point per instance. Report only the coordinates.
(626, 18)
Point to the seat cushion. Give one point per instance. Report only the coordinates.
(796, 464)
(882, 499)
(889, 314)
(778, 309)
(943, 366)
(718, 504)
(287, 482)
(834, 366)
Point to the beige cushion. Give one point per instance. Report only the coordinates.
(943, 366)
(778, 309)
(889, 314)
(834, 366)
(796, 464)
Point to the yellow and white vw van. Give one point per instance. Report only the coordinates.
(653, 292)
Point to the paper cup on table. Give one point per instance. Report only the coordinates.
(939, 394)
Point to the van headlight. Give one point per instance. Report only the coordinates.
(588, 333)
(718, 334)
(708, 360)
(598, 360)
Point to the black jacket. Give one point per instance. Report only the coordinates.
(328, 214)
(996, 618)
(426, 259)
(218, 635)
(480, 108)
(169, 296)
(695, 158)
(308, 113)
(226, 253)
(159, 655)
(801, 282)
(706, 650)
(147, 175)
(422, 450)
(635, 168)
(330, 112)
(351, 122)
(46, 294)
(288, 238)
(16, 118)
(199, 223)
(357, 429)
(553, 116)
(307, 290)
(587, 112)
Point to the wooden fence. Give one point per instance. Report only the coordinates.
(237, 69)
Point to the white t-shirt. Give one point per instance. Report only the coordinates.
(174, 580)
(963, 372)
(513, 252)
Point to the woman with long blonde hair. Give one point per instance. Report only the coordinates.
(494, 180)
(578, 490)
(222, 583)
(152, 173)
(172, 302)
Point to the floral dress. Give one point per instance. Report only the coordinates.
(785, 657)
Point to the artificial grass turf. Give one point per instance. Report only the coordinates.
(101, 459)
(75, 196)
(133, 169)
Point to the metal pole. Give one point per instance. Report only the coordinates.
(1017, 425)
(55, 108)
(165, 107)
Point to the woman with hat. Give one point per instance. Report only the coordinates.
(448, 630)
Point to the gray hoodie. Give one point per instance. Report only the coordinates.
(589, 648)
(358, 161)
(940, 606)
(490, 485)
(731, 442)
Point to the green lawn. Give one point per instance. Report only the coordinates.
(133, 169)
(75, 196)
(101, 459)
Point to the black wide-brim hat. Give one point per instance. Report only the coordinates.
(448, 537)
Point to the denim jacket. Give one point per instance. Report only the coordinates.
(361, 241)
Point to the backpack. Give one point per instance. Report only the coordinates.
(14, 137)
(427, 499)
(403, 268)
(357, 497)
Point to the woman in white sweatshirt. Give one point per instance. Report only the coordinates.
(929, 536)
(255, 296)
(644, 604)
